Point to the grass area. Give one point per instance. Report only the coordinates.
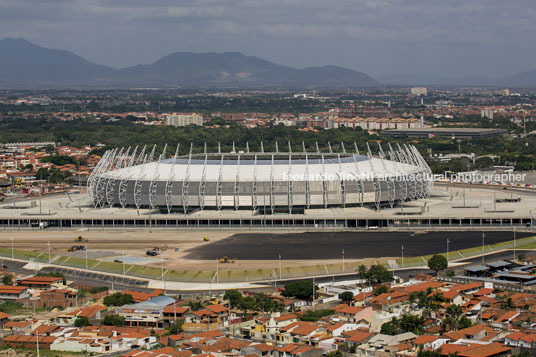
(523, 243)
(25, 254)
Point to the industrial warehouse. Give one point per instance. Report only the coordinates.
(266, 181)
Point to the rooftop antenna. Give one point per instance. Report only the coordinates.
(262, 147)
(343, 148)
(317, 148)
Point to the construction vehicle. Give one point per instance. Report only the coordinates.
(153, 252)
(81, 239)
(75, 248)
(226, 260)
(205, 239)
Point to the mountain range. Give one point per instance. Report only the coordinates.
(24, 64)
(27, 65)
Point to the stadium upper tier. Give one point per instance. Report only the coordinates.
(271, 181)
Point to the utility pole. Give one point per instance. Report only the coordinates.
(280, 267)
(448, 241)
(37, 340)
(12, 250)
(163, 281)
(123, 261)
(217, 270)
(514, 243)
(86, 258)
(48, 252)
(483, 236)
(343, 261)
(402, 255)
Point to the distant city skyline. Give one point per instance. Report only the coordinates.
(446, 38)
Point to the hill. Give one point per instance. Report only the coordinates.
(23, 64)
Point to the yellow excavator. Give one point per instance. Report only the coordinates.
(80, 239)
(227, 260)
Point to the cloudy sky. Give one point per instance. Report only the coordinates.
(445, 37)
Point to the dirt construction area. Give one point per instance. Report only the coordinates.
(247, 251)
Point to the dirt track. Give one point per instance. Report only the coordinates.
(253, 250)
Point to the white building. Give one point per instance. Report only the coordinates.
(183, 119)
(419, 91)
(487, 113)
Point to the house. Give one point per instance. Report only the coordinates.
(476, 333)
(93, 313)
(21, 327)
(39, 282)
(8, 292)
(520, 339)
(139, 296)
(160, 352)
(173, 312)
(356, 314)
(4, 318)
(57, 297)
(297, 349)
(147, 313)
(430, 342)
(28, 342)
(380, 342)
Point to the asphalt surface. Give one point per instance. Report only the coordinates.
(329, 245)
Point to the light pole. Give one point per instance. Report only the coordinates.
(123, 261)
(514, 243)
(343, 261)
(217, 270)
(280, 267)
(86, 258)
(12, 250)
(402, 255)
(483, 236)
(48, 252)
(163, 281)
(448, 241)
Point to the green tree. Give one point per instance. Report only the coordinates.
(175, 327)
(346, 296)
(113, 320)
(7, 279)
(362, 271)
(195, 305)
(81, 321)
(315, 315)
(508, 303)
(454, 311)
(118, 299)
(247, 304)
(302, 289)
(233, 296)
(382, 289)
(335, 354)
(437, 263)
(379, 274)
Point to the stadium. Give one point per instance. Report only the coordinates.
(270, 182)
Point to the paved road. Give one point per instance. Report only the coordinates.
(329, 245)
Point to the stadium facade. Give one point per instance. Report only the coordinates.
(266, 181)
